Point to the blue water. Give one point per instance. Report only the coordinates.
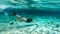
(45, 14)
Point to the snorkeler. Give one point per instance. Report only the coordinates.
(23, 19)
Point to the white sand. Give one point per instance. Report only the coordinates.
(39, 26)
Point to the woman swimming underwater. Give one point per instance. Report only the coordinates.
(22, 19)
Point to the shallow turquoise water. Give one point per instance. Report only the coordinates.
(42, 23)
(45, 14)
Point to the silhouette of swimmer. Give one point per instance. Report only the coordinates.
(22, 19)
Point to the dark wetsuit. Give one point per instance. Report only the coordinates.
(29, 20)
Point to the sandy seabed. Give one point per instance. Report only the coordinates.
(40, 25)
